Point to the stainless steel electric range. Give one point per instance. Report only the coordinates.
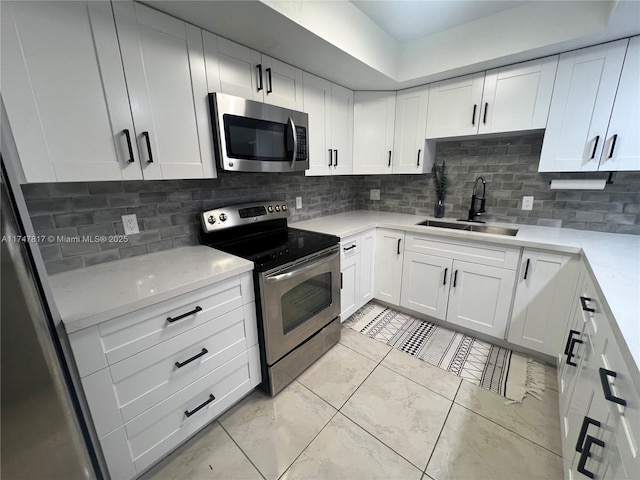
(297, 283)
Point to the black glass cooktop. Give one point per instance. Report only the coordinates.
(274, 248)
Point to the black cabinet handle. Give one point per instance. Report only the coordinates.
(202, 405)
(526, 269)
(455, 278)
(399, 240)
(180, 317)
(270, 87)
(595, 146)
(389, 164)
(336, 153)
(146, 137)
(473, 115)
(570, 355)
(341, 281)
(419, 150)
(349, 248)
(586, 453)
(330, 157)
(583, 301)
(606, 388)
(484, 117)
(444, 278)
(613, 145)
(569, 338)
(195, 357)
(129, 147)
(260, 84)
(586, 421)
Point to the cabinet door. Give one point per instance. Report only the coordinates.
(517, 97)
(624, 125)
(164, 66)
(454, 106)
(233, 68)
(317, 103)
(480, 297)
(425, 284)
(350, 272)
(65, 92)
(543, 301)
(388, 269)
(410, 125)
(282, 83)
(583, 95)
(367, 258)
(373, 125)
(341, 139)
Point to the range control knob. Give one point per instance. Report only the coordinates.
(223, 217)
(284, 208)
(277, 208)
(211, 219)
(270, 209)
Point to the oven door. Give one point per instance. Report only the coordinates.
(298, 300)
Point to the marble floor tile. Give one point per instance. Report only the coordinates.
(210, 454)
(536, 420)
(550, 377)
(337, 374)
(402, 414)
(472, 447)
(272, 432)
(343, 450)
(433, 378)
(367, 346)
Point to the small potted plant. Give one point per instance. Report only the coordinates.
(440, 178)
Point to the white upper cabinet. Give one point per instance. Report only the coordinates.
(517, 97)
(411, 154)
(237, 70)
(373, 119)
(583, 97)
(454, 106)
(65, 92)
(164, 67)
(621, 149)
(341, 130)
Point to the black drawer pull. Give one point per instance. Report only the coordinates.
(260, 85)
(473, 115)
(595, 147)
(146, 137)
(349, 248)
(583, 301)
(606, 388)
(455, 278)
(570, 355)
(330, 157)
(586, 453)
(399, 240)
(526, 269)
(129, 147)
(586, 421)
(444, 278)
(195, 357)
(180, 317)
(568, 345)
(202, 405)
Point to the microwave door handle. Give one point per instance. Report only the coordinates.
(295, 142)
(298, 270)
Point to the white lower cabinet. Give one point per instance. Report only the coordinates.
(389, 258)
(169, 369)
(356, 261)
(425, 284)
(350, 272)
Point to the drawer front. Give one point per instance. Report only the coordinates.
(349, 247)
(157, 431)
(132, 333)
(481, 253)
(147, 378)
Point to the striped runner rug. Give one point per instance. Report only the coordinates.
(491, 367)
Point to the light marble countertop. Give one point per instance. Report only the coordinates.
(614, 259)
(88, 296)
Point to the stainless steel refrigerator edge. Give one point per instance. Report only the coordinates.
(44, 434)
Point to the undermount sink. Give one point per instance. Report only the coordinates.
(512, 232)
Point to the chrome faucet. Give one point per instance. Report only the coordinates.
(474, 198)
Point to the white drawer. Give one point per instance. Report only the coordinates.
(349, 247)
(476, 252)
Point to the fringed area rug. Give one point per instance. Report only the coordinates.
(494, 368)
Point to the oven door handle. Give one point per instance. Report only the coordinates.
(297, 270)
(295, 142)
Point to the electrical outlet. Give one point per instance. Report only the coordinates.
(298, 203)
(527, 203)
(130, 224)
(374, 194)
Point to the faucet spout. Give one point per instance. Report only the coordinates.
(473, 213)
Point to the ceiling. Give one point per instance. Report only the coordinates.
(390, 45)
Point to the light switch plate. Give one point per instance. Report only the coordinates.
(130, 224)
(527, 203)
(298, 203)
(375, 194)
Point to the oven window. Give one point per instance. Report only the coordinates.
(305, 300)
(254, 139)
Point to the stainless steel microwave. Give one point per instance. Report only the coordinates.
(251, 136)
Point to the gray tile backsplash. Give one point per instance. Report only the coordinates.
(167, 210)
